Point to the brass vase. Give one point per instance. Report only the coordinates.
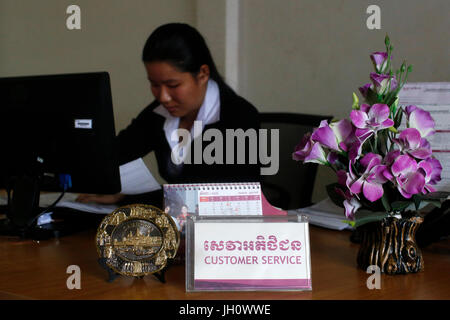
(391, 245)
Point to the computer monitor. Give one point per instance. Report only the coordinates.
(54, 126)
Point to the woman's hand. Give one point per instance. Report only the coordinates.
(100, 198)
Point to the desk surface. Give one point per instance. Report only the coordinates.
(37, 270)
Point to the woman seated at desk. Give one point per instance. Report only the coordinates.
(187, 87)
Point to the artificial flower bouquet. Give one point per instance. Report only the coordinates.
(381, 165)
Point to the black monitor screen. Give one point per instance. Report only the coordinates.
(59, 124)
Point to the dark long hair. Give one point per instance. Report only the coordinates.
(183, 47)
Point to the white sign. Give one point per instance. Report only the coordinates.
(83, 123)
(251, 256)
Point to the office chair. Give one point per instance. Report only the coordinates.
(292, 186)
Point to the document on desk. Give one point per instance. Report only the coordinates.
(325, 214)
(89, 207)
(69, 201)
(433, 97)
(136, 178)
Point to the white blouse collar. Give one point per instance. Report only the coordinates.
(208, 113)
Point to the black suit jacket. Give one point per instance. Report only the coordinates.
(146, 134)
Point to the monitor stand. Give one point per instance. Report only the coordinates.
(25, 201)
(23, 209)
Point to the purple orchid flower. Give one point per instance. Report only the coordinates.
(351, 204)
(408, 178)
(365, 89)
(431, 170)
(342, 177)
(379, 60)
(371, 119)
(381, 82)
(325, 136)
(333, 135)
(427, 171)
(412, 143)
(332, 157)
(343, 130)
(420, 119)
(339, 136)
(309, 151)
(355, 143)
(437, 170)
(388, 161)
(390, 157)
(370, 183)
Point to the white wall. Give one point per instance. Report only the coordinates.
(210, 21)
(34, 40)
(308, 56)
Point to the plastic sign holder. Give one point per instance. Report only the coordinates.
(248, 253)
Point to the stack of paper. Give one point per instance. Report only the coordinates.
(433, 97)
(325, 214)
(69, 201)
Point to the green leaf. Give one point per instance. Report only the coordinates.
(400, 205)
(417, 200)
(367, 218)
(395, 105)
(392, 129)
(435, 203)
(349, 222)
(385, 202)
(398, 118)
(438, 195)
(403, 67)
(371, 97)
(355, 104)
(387, 41)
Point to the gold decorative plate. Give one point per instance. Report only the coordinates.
(137, 240)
